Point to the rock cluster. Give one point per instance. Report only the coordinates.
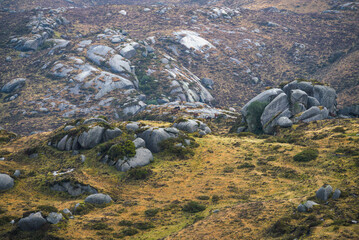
(72, 188)
(87, 139)
(297, 101)
(323, 194)
(36, 221)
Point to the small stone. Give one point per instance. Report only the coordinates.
(54, 218)
(216, 211)
(67, 211)
(82, 158)
(336, 194)
(301, 208)
(17, 173)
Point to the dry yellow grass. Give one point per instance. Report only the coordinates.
(251, 199)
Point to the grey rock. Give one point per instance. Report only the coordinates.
(266, 96)
(93, 137)
(62, 144)
(301, 208)
(17, 173)
(350, 110)
(192, 126)
(153, 137)
(75, 144)
(119, 64)
(311, 112)
(304, 86)
(326, 97)
(32, 223)
(128, 51)
(139, 142)
(324, 192)
(98, 198)
(272, 111)
(82, 158)
(284, 122)
(310, 204)
(241, 129)
(68, 144)
(111, 134)
(323, 115)
(99, 53)
(54, 218)
(67, 211)
(172, 130)
(132, 126)
(312, 102)
(142, 158)
(94, 120)
(208, 83)
(336, 194)
(13, 85)
(72, 189)
(298, 96)
(69, 127)
(6, 182)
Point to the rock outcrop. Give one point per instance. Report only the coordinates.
(153, 137)
(86, 139)
(13, 85)
(74, 189)
(298, 101)
(192, 126)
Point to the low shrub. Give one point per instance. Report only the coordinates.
(228, 169)
(306, 155)
(129, 231)
(46, 209)
(193, 207)
(203, 197)
(349, 151)
(151, 212)
(143, 225)
(121, 150)
(125, 223)
(246, 165)
(177, 147)
(138, 173)
(339, 130)
(215, 198)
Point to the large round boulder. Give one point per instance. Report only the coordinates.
(153, 138)
(93, 137)
(142, 158)
(32, 223)
(98, 198)
(6, 182)
(264, 97)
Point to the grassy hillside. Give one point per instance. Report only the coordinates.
(249, 186)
